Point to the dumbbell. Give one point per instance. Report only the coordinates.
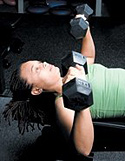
(72, 59)
(77, 93)
(79, 25)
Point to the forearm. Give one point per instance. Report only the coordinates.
(88, 47)
(76, 127)
(83, 132)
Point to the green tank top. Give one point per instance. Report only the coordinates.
(108, 91)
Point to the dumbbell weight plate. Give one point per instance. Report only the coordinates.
(84, 9)
(55, 3)
(77, 94)
(71, 60)
(38, 9)
(60, 11)
(78, 28)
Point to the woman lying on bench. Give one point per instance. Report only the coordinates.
(32, 78)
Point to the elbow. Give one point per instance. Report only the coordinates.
(84, 147)
(84, 150)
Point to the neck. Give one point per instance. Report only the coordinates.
(58, 86)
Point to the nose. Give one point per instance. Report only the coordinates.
(45, 64)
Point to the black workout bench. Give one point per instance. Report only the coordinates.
(109, 134)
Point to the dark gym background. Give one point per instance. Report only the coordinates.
(47, 38)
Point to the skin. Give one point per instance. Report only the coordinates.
(76, 126)
(42, 75)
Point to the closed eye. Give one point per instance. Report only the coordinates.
(37, 69)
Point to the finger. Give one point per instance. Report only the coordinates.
(79, 67)
(72, 70)
(69, 78)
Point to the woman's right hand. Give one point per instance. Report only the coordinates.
(77, 71)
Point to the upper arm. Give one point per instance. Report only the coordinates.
(65, 117)
(88, 48)
(90, 60)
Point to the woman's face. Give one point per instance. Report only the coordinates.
(41, 75)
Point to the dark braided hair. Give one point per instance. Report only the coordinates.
(22, 107)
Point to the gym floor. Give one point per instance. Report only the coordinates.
(48, 38)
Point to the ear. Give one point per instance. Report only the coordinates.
(36, 91)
